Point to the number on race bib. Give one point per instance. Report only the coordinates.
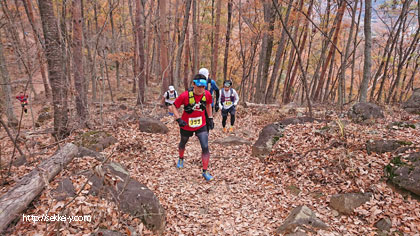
(228, 103)
(195, 122)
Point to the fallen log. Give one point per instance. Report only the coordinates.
(21, 195)
(249, 104)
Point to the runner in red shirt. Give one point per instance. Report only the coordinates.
(23, 98)
(197, 101)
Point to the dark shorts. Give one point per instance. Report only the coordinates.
(188, 133)
(231, 110)
(168, 104)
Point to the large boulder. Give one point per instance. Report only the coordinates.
(153, 126)
(113, 182)
(96, 140)
(301, 216)
(404, 171)
(412, 105)
(346, 203)
(365, 111)
(382, 146)
(271, 133)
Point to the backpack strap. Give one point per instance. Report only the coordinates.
(209, 84)
(167, 94)
(191, 99)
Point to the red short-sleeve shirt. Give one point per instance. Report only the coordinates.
(197, 118)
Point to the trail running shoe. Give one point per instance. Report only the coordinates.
(180, 163)
(231, 129)
(207, 176)
(224, 130)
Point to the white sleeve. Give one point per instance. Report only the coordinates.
(164, 95)
(236, 97)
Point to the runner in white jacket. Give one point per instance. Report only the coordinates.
(228, 100)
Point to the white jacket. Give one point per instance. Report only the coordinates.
(228, 103)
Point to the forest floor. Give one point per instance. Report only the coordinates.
(247, 196)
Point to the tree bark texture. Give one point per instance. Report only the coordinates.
(79, 77)
(55, 68)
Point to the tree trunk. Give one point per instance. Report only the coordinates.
(164, 64)
(181, 43)
(341, 98)
(340, 13)
(55, 68)
(79, 77)
(304, 80)
(353, 64)
(228, 30)
(403, 61)
(29, 12)
(31, 185)
(269, 96)
(186, 58)
(394, 41)
(140, 43)
(290, 84)
(196, 50)
(6, 89)
(215, 51)
(135, 48)
(368, 47)
(324, 48)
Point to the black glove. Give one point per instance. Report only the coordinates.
(216, 107)
(211, 123)
(181, 122)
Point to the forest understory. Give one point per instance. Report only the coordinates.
(249, 196)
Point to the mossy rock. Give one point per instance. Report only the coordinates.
(96, 140)
(404, 171)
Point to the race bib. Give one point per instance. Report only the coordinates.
(228, 103)
(195, 122)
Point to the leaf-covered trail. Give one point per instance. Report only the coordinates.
(238, 201)
(247, 196)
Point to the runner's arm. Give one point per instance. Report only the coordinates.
(236, 97)
(173, 109)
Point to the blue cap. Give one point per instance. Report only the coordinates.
(201, 82)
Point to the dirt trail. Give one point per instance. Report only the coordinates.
(237, 202)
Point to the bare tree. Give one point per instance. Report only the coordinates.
(29, 12)
(228, 32)
(215, 51)
(368, 47)
(55, 68)
(140, 44)
(6, 89)
(269, 96)
(344, 58)
(164, 64)
(79, 77)
(181, 43)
